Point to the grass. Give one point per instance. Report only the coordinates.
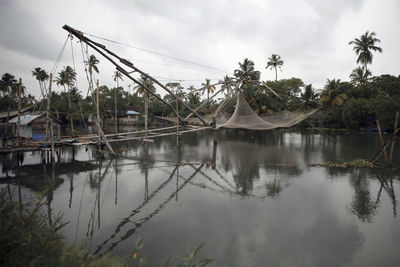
(357, 163)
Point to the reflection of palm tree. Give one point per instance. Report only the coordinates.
(362, 205)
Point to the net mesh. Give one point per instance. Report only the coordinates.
(245, 118)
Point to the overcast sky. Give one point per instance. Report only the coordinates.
(311, 36)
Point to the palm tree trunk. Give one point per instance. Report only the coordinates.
(71, 120)
(276, 75)
(115, 110)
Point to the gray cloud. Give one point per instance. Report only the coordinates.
(311, 36)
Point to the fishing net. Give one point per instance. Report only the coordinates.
(245, 118)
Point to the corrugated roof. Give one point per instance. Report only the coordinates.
(13, 113)
(26, 119)
(131, 112)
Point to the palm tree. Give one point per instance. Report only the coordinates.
(149, 84)
(275, 62)
(359, 76)
(92, 62)
(42, 76)
(8, 84)
(209, 88)
(67, 78)
(227, 83)
(117, 76)
(333, 94)
(246, 71)
(309, 97)
(363, 47)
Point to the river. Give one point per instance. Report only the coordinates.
(251, 197)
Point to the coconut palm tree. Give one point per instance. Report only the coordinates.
(333, 95)
(275, 62)
(67, 77)
(149, 84)
(309, 97)
(363, 47)
(8, 84)
(42, 76)
(359, 76)
(246, 71)
(92, 62)
(227, 83)
(208, 87)
(117, 76)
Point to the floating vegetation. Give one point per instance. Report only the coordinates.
(357, 163)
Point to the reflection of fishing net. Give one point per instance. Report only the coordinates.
(244, 117)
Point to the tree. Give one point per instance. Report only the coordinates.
(42, 76)
(227, 83)
(363, 47)
(67, 78)
(246, 71)
(359, 76)
(333, 94)
(92, 62)
(275, 62)
(209, 88)
(117, 76)
(149, 84)
(309, 97)
(8, 84)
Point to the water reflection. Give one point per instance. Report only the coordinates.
(255, 187)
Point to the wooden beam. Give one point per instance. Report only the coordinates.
(381, 139)
(392, 148)
(19, 111)
(383, 148)
(95, 46)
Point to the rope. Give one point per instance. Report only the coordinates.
(157, 53)
(76, 85)
(54, 69)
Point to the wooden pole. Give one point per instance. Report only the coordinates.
(6, 130)
(177, 122)
(48, 107)
(58, 125)
(19, 110)
(115, 111)
(71, 119)
(392, 148)
(379, 153)
(96, 46)
(98, 112)
(146, 112)
(382, 143)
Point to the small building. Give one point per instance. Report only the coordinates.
(12, 114)
(129, 118)
(33, 125)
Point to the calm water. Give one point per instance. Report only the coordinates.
(250, 196)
